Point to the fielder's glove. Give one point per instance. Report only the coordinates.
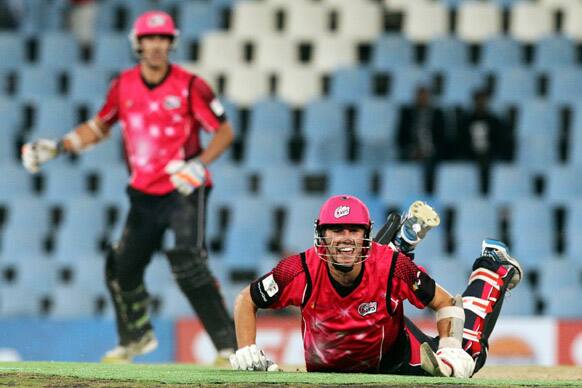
(447, 362)
(38, 152)
(252, 358)
(187, 176)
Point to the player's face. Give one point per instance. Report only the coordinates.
(344, 243)
(155, 50)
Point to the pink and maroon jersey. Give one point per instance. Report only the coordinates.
(345, 333)
(160, 124)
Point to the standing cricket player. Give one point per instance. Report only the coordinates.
(161, 108)
(351, 290)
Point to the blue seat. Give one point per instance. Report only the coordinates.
(445, 53)
(64, 183)
(501, 53)
(108, 10)
(16, 182)
(514, 85)
(452, 274)
(196, 18)
(537, 134)
(556, 274)
(531, 232)
(375, 131)
(401, 184)
(573, 228)
(456, 181)
(12, 49)
(34, 273)
(405, 82)
(350, 85)
(112, 183)
(87, 84)
(74, 302)
(113, 52)
(264, 148)
(248, 233)
(554, 52)
(519, 301)
(565, 304)
(565, 85)
(106, 154)
(459, 85)
(174, 304)
(433, 245)
(301, 212)
(54, 118)
(229, 181)
(89, 274)
(158, 275)
(510, 182)
(37, 83)
(350, 179)
(392, 51)
(562, 184)
(26, 228)
(475, 220)
(575, 144)
(324, 132)
(58, 50)
(12, 120)
(278, 182)
(19, 302)
(271, 116)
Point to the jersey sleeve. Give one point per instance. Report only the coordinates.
(109, 112)
(205, 106)
(283, 286)
(412, 282)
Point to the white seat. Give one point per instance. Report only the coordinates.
(530, 22)
(304, 18)
(402, 5)
(351, 13)
(426, 21)
(478, 21)
(572, 27)
(276, 53)
(246, 85)
(299, 85)
(252, 19)
(209, 74)
(221, 51)
(331, 53)
(560, 5)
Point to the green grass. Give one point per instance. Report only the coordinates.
(61, 374)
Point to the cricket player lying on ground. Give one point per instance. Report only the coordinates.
(351, 289)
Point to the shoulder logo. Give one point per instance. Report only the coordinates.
(172, 102)
(341, 211)
(367, 308)
(270, 285)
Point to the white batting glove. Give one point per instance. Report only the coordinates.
(447, 362)
(36, 153)
(251, 358)
(187, 176)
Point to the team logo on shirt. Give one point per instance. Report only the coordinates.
(172, 102)
(368, 308)
(341, 211)
(270, 285)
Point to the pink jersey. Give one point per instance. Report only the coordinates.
(344, 333)
(160, 124)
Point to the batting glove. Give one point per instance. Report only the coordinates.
(187, 176)
(252, 358)
(38, 152)
(447, 362)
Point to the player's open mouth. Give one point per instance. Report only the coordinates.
(346, 250)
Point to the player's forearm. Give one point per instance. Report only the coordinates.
(219, 143)
(86, 134)
(442, 299)
(245, 319)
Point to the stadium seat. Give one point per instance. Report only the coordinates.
(58, 50)
(64, 183)
(565, 304)
(271, 115)
(350, 179)
(230, 55)
(537, 134)
(531, 232)
(460, 84)
(450, 273)
(572, 229)
(350, 15)
(113, 52)
(509, 182)
(26, 228)
(405, 81)
(432, 246)
(333, 52)
(251, 19)
(500, 53)
(229, 181)
(562, 184)
(53, 119)
(19, 302)
(565, 85)
(446, 53)
(89, 274)
(456, 181)
(87, 84)
(298, 86)
(515, 85)
(263, 148)
(106, 154)
(74, 302)
(554, 52)
(278, 182)
(276, 53)
(301, 212)
(16, 182)
(109, 11)
(304, 19)
(478, 21)
(13, 51)
(475, 220)
(401, 184)
(245, 86)
(375, 130)
(426, 21)
(519, 302)
(392, 51)
(174, 304)
(556, 274)
(196, 18)
(158, 276)
(350, 85)
(36, 274)
(37, 83)
(529, 22)
(571, 27)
